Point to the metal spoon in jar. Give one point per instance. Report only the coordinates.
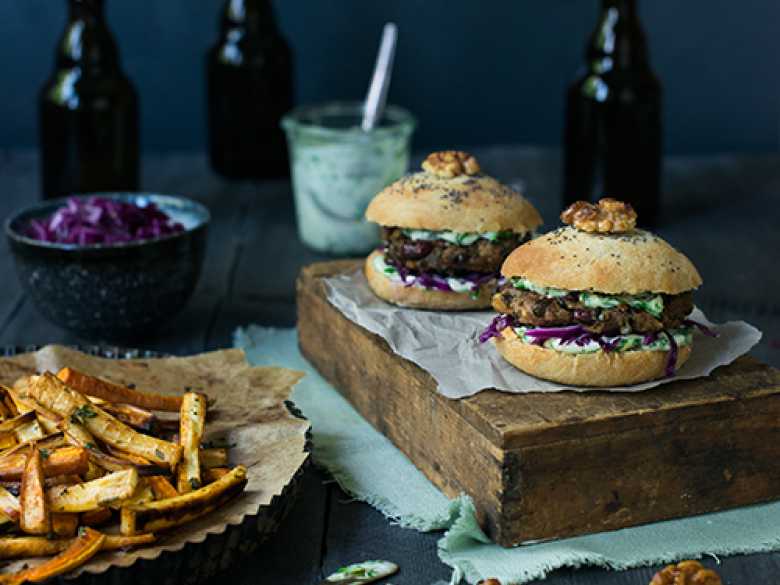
(374, 106)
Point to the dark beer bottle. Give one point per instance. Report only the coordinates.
(88, 111)
(613, 137)
(249, 79)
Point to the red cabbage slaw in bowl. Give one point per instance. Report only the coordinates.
(96, 220)
(577, 339)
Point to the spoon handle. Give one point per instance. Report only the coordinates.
(380, 81)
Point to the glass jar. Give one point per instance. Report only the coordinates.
(337, 168)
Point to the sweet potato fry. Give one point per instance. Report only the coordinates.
(214, 457)
(94, 494)
(64, 525)
(161, 487)
(39, 546)
(96, 517)
(106, 390)
(79, 551)
(34, 511)
(63, 461)
(172, 512)
(52, 393)
(192, 421)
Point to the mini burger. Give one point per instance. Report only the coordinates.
(446, 231)
(597, 303)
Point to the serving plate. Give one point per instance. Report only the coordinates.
(195, 562)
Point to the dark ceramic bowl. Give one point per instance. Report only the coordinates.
(112, 292)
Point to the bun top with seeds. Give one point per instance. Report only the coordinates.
(452, 193)
(603, 252)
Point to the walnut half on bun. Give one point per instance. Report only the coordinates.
(597, 303)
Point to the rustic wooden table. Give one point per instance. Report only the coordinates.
(724, 212)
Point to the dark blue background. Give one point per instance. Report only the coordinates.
(473, 71)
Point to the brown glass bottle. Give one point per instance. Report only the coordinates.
(88, 111)
(613, 137)
(249, 79)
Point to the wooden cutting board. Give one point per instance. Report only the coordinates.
(542, 466)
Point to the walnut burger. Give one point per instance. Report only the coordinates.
(446, 231)
(598, 303)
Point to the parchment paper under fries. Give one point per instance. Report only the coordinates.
(249, 413)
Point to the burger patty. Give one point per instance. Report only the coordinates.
(530, 308)
(446, 258)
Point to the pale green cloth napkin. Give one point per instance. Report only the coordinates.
(368, 466)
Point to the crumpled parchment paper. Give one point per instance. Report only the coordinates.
(446, 344)
(249, 412)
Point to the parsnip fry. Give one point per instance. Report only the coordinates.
(64, 525)
(34, 511)
(93, 386)
(12, 424)
(49, 442)
(133, 416)
(79, 551)
(30, 431)
(166, 514)
(143, 465)
(91, 495)
(9, 505)
(63, 461)
(78, 436)
(192, 420)
(52, 393)
(143, 494)
(161, 487)
(39, 546)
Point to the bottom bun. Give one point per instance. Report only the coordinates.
(598, 369)
(422, 298)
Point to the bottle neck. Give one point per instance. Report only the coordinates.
(87, 42)
(627, 8)
(618, 42)
(86, 9)
(254, 17)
